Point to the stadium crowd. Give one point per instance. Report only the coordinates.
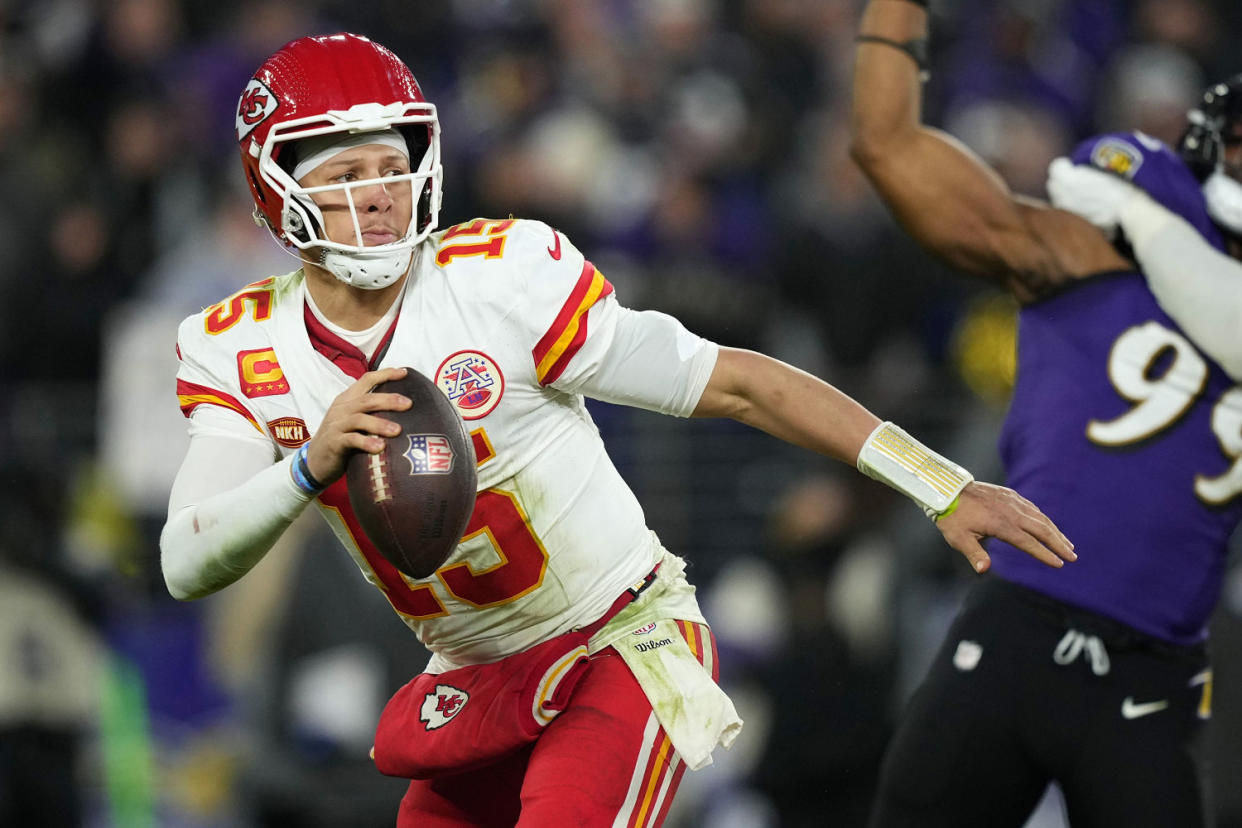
(697, 149)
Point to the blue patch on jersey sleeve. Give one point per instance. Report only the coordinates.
(1155, 168)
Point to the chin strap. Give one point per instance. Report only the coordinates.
(1224, 201)
(369, 271)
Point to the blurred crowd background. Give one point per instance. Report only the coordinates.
(696, 150)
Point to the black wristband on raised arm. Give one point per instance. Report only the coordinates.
(916, 49)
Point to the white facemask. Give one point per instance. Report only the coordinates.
(369, 267)
(366, 269)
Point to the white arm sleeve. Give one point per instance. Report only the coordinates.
(229, 504)
(1197, 285)
(644, 359)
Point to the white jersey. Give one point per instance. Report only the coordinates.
(514, 325)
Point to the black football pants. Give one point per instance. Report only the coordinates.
(1027, 690)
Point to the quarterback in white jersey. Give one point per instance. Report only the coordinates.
(514, 325)
(572, 677)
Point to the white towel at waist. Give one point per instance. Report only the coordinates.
(695, 713)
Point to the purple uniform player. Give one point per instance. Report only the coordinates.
(1113, 389)
(1122, 429)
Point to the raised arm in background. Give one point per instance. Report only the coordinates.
(944, 195)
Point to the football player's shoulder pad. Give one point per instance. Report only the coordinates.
(239, 313)
(1154, 167)
(531, 252)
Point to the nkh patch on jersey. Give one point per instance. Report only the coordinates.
(429, 454)
(441, 705)
(473, 383)
(290, 432)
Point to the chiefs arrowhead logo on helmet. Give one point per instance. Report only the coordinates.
(256, 103)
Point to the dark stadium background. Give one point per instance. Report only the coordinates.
(696, 150)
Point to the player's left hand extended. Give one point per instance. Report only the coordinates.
(1091, 193)
(989, 511)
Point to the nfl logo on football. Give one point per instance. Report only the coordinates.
(429, 454)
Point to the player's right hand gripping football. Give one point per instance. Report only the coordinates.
(988, 511)
(350, 425)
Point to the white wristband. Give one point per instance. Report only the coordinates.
(893, 457)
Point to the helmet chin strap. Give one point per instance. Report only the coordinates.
(1224, 201)
(368, 270)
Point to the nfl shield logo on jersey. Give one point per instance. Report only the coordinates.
(442, 705)
(429, 454)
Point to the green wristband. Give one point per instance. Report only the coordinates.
(952, 508)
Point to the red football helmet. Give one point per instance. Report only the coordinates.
(342, 83)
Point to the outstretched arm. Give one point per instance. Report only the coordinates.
(1196, 284)
(945, 196)
(801, 409)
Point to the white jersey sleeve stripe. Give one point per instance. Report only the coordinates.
(569, 330)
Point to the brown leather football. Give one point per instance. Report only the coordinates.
(415, 497)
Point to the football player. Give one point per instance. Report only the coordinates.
(572, 676)
(1124, 432)
(1194, 274)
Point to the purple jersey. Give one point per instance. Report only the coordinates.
(1126, 435)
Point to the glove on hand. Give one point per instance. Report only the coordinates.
(1093, 194)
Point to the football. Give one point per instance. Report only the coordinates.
(415, 497)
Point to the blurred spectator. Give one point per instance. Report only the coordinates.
(1147, 87)
(49, 701)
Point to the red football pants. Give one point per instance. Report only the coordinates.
(605, 761)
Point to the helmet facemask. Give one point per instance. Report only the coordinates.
(302, 220)
(1215, 126)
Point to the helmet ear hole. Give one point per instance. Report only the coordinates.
(301, 228)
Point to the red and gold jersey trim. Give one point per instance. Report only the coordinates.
(483, 450)
(191, 396)
(557, 347)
